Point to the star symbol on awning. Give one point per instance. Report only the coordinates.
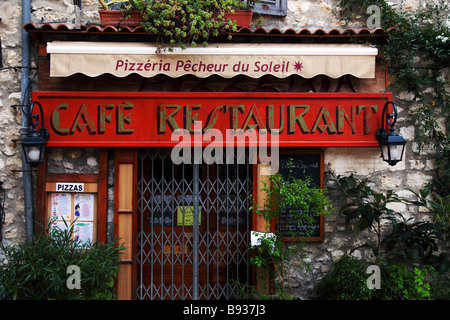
(298, 66)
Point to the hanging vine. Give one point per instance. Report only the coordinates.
(418, 55)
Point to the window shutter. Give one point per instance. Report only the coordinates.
(271, 7)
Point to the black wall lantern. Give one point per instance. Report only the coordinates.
(34, 144)
(391, 144)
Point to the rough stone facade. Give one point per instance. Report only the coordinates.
(10, 94)
(413, 172)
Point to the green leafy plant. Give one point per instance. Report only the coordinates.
(300, 201)
(402, 283)
(37, 269)
(415, 240)
(346, 280)
(185, 22)
(438, 208)
(366, 209)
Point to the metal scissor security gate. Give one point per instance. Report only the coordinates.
(194, 228)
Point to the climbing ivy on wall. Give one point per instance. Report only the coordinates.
(417, 52)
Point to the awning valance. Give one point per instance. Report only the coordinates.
(226, 60)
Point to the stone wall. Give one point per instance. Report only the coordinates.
(13, 231)
(73, 160)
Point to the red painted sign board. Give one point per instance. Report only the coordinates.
(138, 119)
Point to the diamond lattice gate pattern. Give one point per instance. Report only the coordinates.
(194, 228)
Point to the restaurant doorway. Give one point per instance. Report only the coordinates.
(194, 227)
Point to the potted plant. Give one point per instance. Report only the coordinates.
(300, 200)
(241, 13)
(182, 22)
(117, 13)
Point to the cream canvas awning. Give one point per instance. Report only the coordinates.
(226, 60)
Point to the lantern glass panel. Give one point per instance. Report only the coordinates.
(385, 152)
(33, 154)
(396, 152)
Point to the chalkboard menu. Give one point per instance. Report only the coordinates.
(303, 165)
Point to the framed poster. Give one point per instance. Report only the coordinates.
(61, 206)
(75, 206)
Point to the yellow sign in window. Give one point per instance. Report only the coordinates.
(187, 212)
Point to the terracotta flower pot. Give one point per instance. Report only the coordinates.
(243, 17)
(113, 17)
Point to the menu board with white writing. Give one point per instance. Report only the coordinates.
(301, 166)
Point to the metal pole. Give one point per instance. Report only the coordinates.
(195, 232)
(24, 130)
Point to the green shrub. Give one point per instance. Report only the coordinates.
(345, 281)
(401, 283)
(37, 269)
